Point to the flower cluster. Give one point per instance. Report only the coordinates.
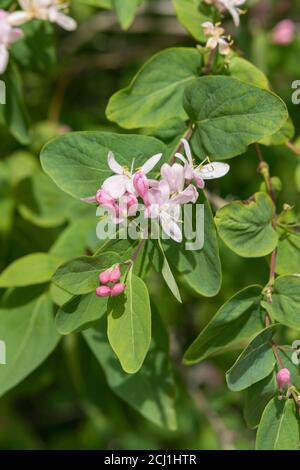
(8, 35)
(216, 37)
(47, 10)
(232, 6)
(162, 198)
(110, 287)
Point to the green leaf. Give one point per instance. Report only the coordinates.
(288, 252)
(79, 313)
(126, 11)
(283, 135)
(13, 114)
(285, 300)
(200, 268)
(191, 14)
(245, 71)
(36, 50)
(229, 115)
(236, 321)
(257, 397)
(246, 226)
(41, 202)
(168, 275)
(58, 295)
(107, 4)
(129, 324)
(155, 93)
(80, 275)
(27, 327)
(279, 427)
(35, 268)
(77, 162)
(151, 391)
(74, 239)
(254, 363)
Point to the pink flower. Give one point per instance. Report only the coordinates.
(140, 184)
(174, 175)
(201, 172)
(216, 38)
(103, 291)
(8, 35)
(115, 274)
(284, 32)
(104, 277)
(47, 10)
(122, 181)
(283, 377)
(117, 289)
(167, 208)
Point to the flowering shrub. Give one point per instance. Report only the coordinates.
(186, 112)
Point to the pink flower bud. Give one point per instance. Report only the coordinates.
(103, 291)
(284, 32)
(140, 184)
(117, 289)
(283, 377)
(104, 277)
(115, 274)
(103, 198)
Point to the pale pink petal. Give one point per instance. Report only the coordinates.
(14, 35)
(4, 57)
(18, 18)
(178, 177)
(187, 149)
(212, 170)
(190, 194)
(170, 227)
(115, 185)
(114, 165)
(150, 164)
(65, 21)
(212, 43)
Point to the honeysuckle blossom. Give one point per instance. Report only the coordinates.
(201, 172)
(163, 197)
(166, 207)
(48, 10)
(122, 181)
(217, 38)
(8, 35)
(284, 32)
(232, 6)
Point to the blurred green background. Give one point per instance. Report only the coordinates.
(56, 408)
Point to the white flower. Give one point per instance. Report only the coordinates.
(231, 6)
(217, 37)
(48, 10)
(211, 170)
(122, 182)
(8, 35)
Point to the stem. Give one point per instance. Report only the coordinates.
(263, 168)
(276, 354)
(210, 61)
(188, 134)
(140, 246)
(293, 148)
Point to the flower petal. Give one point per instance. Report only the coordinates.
(4, 57)
(212, 170)
(19, 17)
(170, 227)
(115, 185)
(150, 164)
(188, 152)
(114, 165)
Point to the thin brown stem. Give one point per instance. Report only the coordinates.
(210, 61)
(293, 148)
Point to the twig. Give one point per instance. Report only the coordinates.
(293, 148)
